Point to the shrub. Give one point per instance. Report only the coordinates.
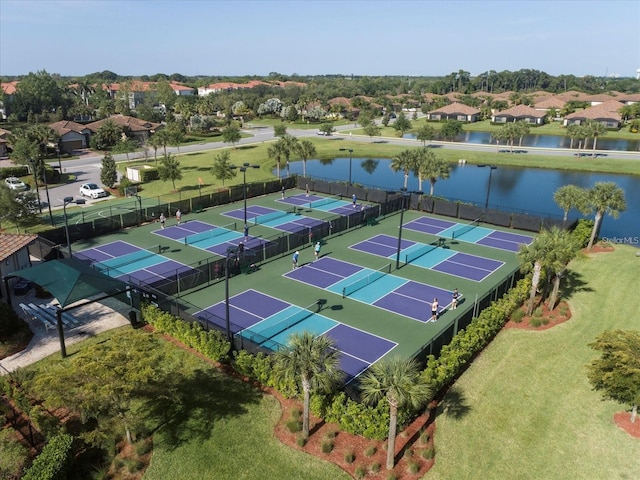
(413, 467)
(429, 453)
(294, 426)
(142, 447)
(424, 438)
(370, 451)
(538, 321)
(408, 453)
(359, 472)
(11, 322)
(301, 441)
(14, 454)
(296, 413)
(332, 434)
(582, 232)
(349, 457)
(517, 316)
(375, 467)
(327, 446)
(391, 476)
(53, 461)
(537, 313)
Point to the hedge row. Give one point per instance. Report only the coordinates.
(211, 344)
(53, 461)
(16, 171)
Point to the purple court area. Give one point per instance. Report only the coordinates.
(428, 225)
(358, 349)
(179, 232)
(382, 245)
(253, 211)
(505, 240)
(324, 272)
(341, 207)
(251, 246)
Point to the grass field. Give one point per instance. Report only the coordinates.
(525, 409)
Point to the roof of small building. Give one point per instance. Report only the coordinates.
(11, 243)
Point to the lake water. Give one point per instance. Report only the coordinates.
(518, 190)
(547, 141)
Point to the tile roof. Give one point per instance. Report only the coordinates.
(132, 123)
(11, 243)
(607, 110)
(550, 102)
(9, 88)
(64, 126)
(454, 108)
(520, 111)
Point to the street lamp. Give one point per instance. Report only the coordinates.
(491, 169)
(405, 195)
(350, 150)
(243, 169)
(66, 201)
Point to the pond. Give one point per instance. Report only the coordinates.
(513, 189)
(547, 141)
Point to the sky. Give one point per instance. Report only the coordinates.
(307, 37)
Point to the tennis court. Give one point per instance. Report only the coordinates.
(471, 232)
(269, 321)
(123, 260)
(334, 204)
(374, 287)
(286, 221)
(433, 257)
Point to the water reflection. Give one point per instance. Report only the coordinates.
(513, 189)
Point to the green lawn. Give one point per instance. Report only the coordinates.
(525, 409)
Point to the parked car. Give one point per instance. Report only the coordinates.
(92, 190)
(15, 183)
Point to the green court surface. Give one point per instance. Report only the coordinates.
(410, 335)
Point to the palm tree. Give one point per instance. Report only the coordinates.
(398, 381)
(534, 258)
(404, 161)
(154, 142)
(311, 362)
(605, 198)
(306, 150)
(287, 145)
(562, 249)
(432, 167)
(570, 196)
(596, 129)
(274, 151)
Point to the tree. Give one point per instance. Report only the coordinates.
(175, 133)
(222, 167)
(306, 150)
(279, 130)
(616, 374)
(450, 129)
(571, 196)
(126, 146)
(326, 128)
(563, 248)
(398, 382)
(163, 138)
(372, 130)
(402, 125)
(154, 142)
(169, 169)
(405, 162)
(109, 172)
(275, 152)
(431, 167)
(287, 144)
(231, 134)
(534, 258)
(107, 135)
(596, 129)
(312, 363)
(425, 134)
(37, 93)
(20, 208)
(605, 198)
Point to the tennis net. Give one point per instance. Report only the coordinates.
(214, 232)
(127, 259)
(458, 232)
(419, 252)
(367, 280)
(267, 217)
(325, 201)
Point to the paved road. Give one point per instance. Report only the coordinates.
(87, 168)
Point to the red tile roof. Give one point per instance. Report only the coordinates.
(64, 126)
(520, 111)
(11, 243)
(455, 108)
(9, 88)
(607, 110)
(132, 123)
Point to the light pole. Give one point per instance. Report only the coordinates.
(491, 169)
(243, 169)
(46, 187)
(67, 201)
(405, 195)
(350, 150)
(231, 252)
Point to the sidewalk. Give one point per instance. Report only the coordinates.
(94, 317)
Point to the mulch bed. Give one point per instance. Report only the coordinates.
(558, 315)
(623, 421)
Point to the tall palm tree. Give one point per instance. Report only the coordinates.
(404, 162)
(562, 249)
(287, 145)
(596, 129)
(306, 150)
(398, 382)
(432, 168)
(312, 363)
(275, 152)
(570, 196)
(605, 198)
(534, 258)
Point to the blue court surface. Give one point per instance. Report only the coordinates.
(124, 261)
(374, 287)
(279, 219)
(471, 233)
(335, 204)
(433, 257)
(269, 322)
(210, 237)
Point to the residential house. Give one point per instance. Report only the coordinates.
(8, 89)
(182, 90)
(228, 87)
(73, 136)
(544, 104)
(520, 113)
(136, 128)
(4, 136)
(14, 256)
(455, 111)
(607, 113)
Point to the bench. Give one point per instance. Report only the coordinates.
(34, 314)
(67, 318)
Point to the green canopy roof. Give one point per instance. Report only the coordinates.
(70, 280)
